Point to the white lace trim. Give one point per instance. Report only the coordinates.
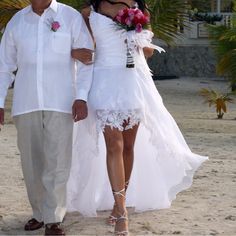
(117, 118)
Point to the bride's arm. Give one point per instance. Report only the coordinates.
(148, 52)
(86, 13)
(84, 55)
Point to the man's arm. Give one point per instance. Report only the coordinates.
(84, 55)
(7, 67)
(84, 73)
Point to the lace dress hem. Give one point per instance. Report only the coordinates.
(121, 120)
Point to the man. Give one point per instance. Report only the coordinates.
(37, 43)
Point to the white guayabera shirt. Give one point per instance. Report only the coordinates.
(46, 77)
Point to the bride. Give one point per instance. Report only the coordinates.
(129, 151)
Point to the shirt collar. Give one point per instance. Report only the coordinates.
(53, 6)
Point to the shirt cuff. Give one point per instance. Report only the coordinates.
(82, 95)
(2, 101)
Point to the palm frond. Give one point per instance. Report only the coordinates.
(223, 39)
(219, 100)
(167, 17)
(8, 8)
(227, 65)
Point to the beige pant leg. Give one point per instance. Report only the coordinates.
(30, 143)
(45, 144)
(57, 142)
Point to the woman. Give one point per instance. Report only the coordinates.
(125, 111)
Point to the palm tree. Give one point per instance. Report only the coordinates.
(224, 41)
(219, 100)
(167, 16)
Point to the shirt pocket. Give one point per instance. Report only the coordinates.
(61, 42)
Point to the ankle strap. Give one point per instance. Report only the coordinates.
(115, 193)
(122, 217)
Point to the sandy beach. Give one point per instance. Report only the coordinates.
(207, 208)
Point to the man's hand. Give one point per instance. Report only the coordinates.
(79, 110)
(84, 55)
(1, 117)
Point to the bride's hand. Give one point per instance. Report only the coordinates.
(148, 52)
(84, 55)
(79, 110)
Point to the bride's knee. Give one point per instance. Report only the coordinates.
(114, 147)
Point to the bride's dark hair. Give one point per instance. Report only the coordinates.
(96, 4)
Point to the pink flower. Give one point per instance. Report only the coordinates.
(139, 15)
(138, 28)
(132, 19)
(131, 14)
(138, 11)
(121, 13)
(128, 22)
(55, 26)
(118, 18)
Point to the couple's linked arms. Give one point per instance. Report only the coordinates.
(84, 46)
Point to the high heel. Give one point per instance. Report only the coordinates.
(111, 218)
(122, 217)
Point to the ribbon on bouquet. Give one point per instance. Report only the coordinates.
(130, 54)
(139, 40)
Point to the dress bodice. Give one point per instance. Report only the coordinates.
(110, 41)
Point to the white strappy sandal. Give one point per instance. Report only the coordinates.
(112, 219)
(124, 232)
(122, 217)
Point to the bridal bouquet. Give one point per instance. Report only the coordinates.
(131, 20)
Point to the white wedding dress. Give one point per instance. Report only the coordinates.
(163, 166)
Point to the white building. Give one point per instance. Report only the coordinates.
(192, 55)
(196, 33)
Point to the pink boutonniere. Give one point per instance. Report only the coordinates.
(55, 25)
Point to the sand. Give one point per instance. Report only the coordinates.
(207, 208)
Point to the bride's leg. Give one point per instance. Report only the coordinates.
(116, 173)
(129, 137)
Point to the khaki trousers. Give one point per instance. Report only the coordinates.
(45, 142)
